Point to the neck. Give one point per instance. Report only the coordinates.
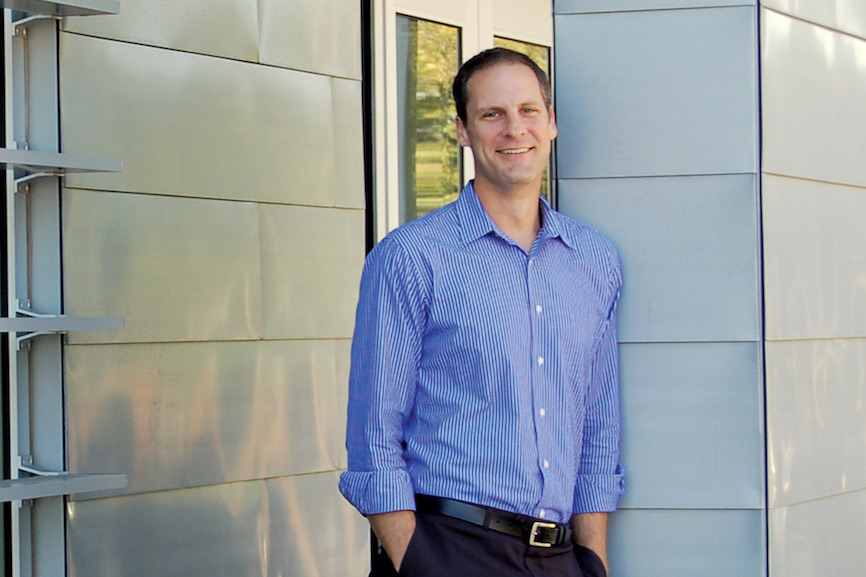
(516, 212)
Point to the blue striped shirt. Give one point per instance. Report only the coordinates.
(483, 373)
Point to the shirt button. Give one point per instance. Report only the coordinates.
(542, 513)
(540, 360)
(538, 309)
(546, 464)
(542, 412)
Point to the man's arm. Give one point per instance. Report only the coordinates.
(590, 531)
(394, 530)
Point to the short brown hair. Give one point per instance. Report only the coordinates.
(487, 59)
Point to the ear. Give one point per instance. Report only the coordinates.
(554, 131)
(462, 134)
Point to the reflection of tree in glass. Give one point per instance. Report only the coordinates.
(437, 166)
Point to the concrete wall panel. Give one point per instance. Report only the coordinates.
(657, 93)
(689, 252)
(174, 269)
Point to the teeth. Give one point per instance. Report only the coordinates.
(515, 151)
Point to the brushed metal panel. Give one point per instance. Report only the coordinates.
(689, 247)
(322, 36)
(348, 144)
(226, 28)
(845, 15)
(588, 6)
(344, 355)
(813, 85)
(290, 526)
(692, 426)
(816, 417)
(175, 269)
(181, 415)
(311, 269)
(823, 537)
(191, 125)
(664, 543)
(815, 271)
(668, 92)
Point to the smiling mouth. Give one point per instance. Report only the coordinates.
(515, 151)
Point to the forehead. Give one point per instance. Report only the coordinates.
(502, 83)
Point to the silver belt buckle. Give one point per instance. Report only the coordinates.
(536, 527)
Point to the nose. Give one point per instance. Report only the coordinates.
(514, 125)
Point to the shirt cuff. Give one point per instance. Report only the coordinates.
(378, 492)
(599, 493)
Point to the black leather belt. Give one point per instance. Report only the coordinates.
(535, 532)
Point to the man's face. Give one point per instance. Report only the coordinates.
(508, 127)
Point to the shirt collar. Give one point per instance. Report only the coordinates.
(475, 222)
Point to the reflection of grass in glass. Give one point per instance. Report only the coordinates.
(430, 172)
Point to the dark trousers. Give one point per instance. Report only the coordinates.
(446, 547)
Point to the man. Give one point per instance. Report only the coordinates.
(483, 430)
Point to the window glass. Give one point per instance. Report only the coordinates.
(427, 60)
(541, 55)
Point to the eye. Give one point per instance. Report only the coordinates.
(490, 114)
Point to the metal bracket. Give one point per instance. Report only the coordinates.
(21, 25)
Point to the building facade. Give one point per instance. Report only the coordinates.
(190, 191)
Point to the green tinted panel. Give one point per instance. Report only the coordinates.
(427, 61)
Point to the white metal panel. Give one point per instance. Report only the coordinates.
(181, 415)
(692, 426)
(344, 356)
(311, 269)
(296, 526)
(226, 28)
(844, 15)
(688, 543)
(689, 253)
(816, 417)
(175, 269)
(586, 6)
(525, 21)
(813, 90)
(815, 270)
(192, 125)
(322, 36)
(348, 143)
(823, 537)
(667, 92)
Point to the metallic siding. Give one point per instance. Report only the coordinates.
(191, 125)
(182, 415)
(301, 35)
(176, 269)
(814, 181)
(692, 436)
(688, 251)
(312, 36)
(657, 111)
(669, 92)
(311, 268)
(276, 527)
(663, 543)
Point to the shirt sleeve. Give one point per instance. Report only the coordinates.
(386, 351)
(601, 477)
